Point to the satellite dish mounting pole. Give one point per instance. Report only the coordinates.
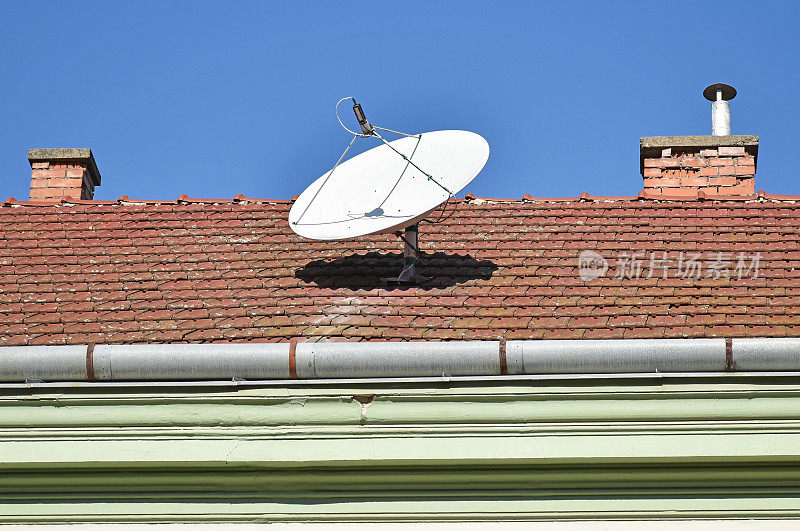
(408, 275)
(410, 250)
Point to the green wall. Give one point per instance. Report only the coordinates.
(660, 447)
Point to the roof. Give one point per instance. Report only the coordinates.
(196, 270)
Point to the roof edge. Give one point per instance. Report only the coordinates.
(183, 199)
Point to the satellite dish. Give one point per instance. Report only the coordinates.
(379, 191)
(390, 187)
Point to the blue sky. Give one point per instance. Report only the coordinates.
(212, 99)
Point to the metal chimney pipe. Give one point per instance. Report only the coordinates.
(719, 94)
(720, 116)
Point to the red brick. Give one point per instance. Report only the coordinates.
(46, 193)
(722, 181)
(661, 163)
(710, 171)
(64, 183)
(720, 162)
(737, 190)
(653, 183)
(676, 174)
(651, 172)
(694, 162)
(731, 151)
(39, 183)
(694, 181)
(745, 170)
(682, 192)
(727, 170)
(48, 174)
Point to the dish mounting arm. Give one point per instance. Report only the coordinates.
(408, 275)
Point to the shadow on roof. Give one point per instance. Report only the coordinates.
(366, 271)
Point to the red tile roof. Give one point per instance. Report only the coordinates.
(197, 270)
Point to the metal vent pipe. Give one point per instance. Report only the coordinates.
(719, 94)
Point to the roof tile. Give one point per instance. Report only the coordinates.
(211, 270)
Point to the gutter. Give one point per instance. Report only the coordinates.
(335, 360)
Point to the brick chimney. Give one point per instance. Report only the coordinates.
(690, 166)
(57, 174)
(686, 165)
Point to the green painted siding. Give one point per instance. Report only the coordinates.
(723, 446)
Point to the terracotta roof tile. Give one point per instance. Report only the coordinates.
(132, 271)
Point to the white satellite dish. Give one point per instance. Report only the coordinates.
(390, 187)
(378, 191)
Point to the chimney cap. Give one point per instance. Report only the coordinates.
(728, 92)
(83, 155)
(651, 146)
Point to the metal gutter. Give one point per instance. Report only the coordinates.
(766, 354)
(434, 360)
(617, 355)
(521, 379)
(398, 359)
(205, 361)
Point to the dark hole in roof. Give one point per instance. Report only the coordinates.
(366, 271)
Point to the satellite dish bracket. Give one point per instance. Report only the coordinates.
(408, 275)
(412, 245)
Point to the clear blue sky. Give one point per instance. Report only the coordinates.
(212, 99)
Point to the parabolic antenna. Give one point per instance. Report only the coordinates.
(388, 188)
(381, 191)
